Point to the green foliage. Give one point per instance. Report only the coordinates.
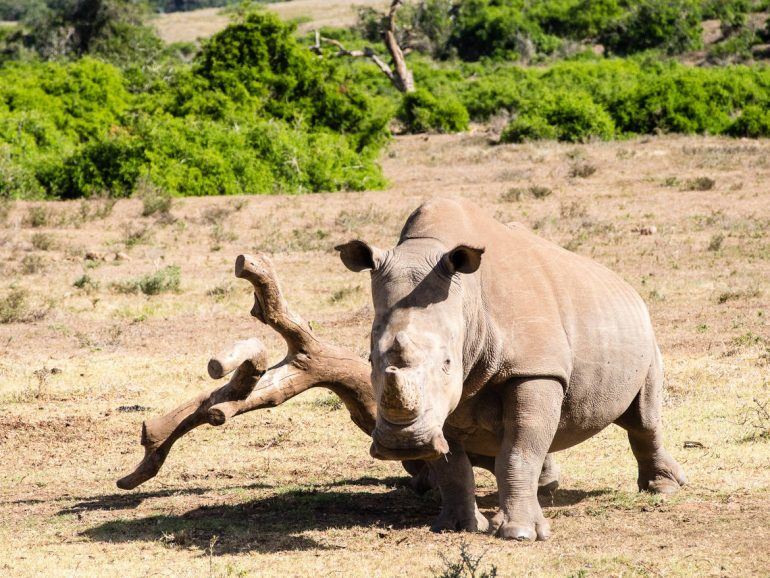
(255, 113)
(163, 280)
(566, 116)
(670, 25)
(576, 19)
(13, 306)
(421, 111)
(731, 13)
(735, 48)
(637, 97)
(113, 29)
(491, 28)
(754, 122)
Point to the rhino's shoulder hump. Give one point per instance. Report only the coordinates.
(449, 220)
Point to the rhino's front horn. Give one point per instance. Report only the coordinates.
(400, 402)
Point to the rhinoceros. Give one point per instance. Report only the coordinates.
(488, 340)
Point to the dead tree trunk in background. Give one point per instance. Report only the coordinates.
(405, 80)
(399, 73)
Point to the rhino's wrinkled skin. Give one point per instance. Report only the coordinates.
(490, 341)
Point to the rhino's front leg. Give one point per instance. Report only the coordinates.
(454, 475)
(531, 410)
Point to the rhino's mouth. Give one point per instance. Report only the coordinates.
(391, 443)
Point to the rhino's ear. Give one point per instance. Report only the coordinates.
(463, 259)
(358, 256)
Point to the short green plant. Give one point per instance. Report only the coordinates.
(715, 244)
(466, 566)
(32, 264)
(154, 200)
(162, 281)
(582, 170)
(86, 283)
(755, 417)
(539, 192)
(329, 403)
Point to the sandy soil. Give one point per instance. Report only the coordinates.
(292, 491)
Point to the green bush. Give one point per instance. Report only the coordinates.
(255, 113)
(421, 111)
(733, 14)
(162, 281)
(576, 19)
(670, 25)
(528, 127)
(490, 28)
(754, 122)
(566, 116)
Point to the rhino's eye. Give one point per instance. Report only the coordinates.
(447, 365)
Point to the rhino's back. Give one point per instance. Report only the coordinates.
(555, 313)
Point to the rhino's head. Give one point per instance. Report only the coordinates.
(418, 339)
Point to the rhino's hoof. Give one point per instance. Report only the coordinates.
(665, 479)
(522, 532)
(454, 522)
(662, 485)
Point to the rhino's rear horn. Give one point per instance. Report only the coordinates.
(404, 352)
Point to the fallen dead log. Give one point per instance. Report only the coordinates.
(309, 363)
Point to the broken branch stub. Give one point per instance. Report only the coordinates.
(228, 360)
(309, 363)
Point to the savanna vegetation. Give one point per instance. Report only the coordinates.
(92, 102)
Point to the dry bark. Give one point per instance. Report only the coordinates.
(399, 74)
(309, 363)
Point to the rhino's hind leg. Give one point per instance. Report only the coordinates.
(454, 476)
(658, 471)
(548, 482)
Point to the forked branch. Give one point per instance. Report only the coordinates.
(309, 363)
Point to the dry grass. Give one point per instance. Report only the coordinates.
(292, 491)
(309, 14)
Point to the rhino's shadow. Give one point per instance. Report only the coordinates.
(282, 521)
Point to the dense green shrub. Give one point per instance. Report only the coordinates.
(528, 127)
(640, 97)
(576, 19)
(113, 29)
(255, 113)
(421, 111)
(259, 62)
(731, 13)
(754, 122)
(566, 116)
(671, 25)
(498, 29)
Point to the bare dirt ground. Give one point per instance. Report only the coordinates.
(309, 14)
(292, 491)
